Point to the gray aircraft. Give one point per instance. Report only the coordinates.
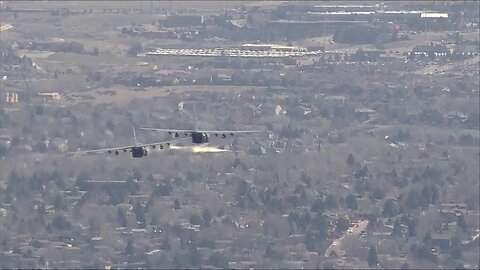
(200, 136)
(138, 150)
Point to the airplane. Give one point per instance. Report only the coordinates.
(200, 136)
(138, 150)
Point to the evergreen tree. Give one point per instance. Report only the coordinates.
(426, 194)
(318, 206)
(49, 228)
(59, 203)
(462, 224)
(130, 249)
(351, 202)
(389, 208)
(372, 257)
(427, 239)
(207, 217)
(218, 260)
(195, 219)
(176, 204)
(411, 228)
(456, 249)
(350, 160)
(61, 223)
(397, 229)
(165, 244)
(139, 211)
(413, 200)
(178, 262)
(82, 179)
(331, 202)
(122, 218)
(342, 224)
(194, 257)
(320, 226)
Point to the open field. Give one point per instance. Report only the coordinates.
(122, 95)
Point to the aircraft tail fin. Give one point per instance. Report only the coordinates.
(134, 135)
(195, 127)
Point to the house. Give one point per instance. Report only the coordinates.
(222, 79)
(364, 113)
(276, 89)
(336, 99)
(441, 240)
(453, 206)
(50, 97)
(279, 110)
(107, 184)
(142, 198)
(304, 110)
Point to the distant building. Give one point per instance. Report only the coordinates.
(466, 49)
(337, 99)
(436, 49)
(267, 47)
(279, 110)
(433, 15)
(443, 241)
(180, 106)
(11, 97)
(107, 184)
(223, 79)
(52, 97)
(364, 113)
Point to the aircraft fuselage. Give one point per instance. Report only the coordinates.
(138, 152)
(200, 137)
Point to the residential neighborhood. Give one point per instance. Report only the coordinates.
(367, 155)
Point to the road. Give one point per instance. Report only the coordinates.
(354, 231)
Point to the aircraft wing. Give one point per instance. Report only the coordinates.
(229, 131)
(127, 148)
(121, 148)
(168, 130)
(201, 131)
(162, 142)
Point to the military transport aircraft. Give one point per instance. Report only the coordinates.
(138, 150)
(201, 136)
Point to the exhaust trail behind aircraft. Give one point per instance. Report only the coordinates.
(198, 149)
